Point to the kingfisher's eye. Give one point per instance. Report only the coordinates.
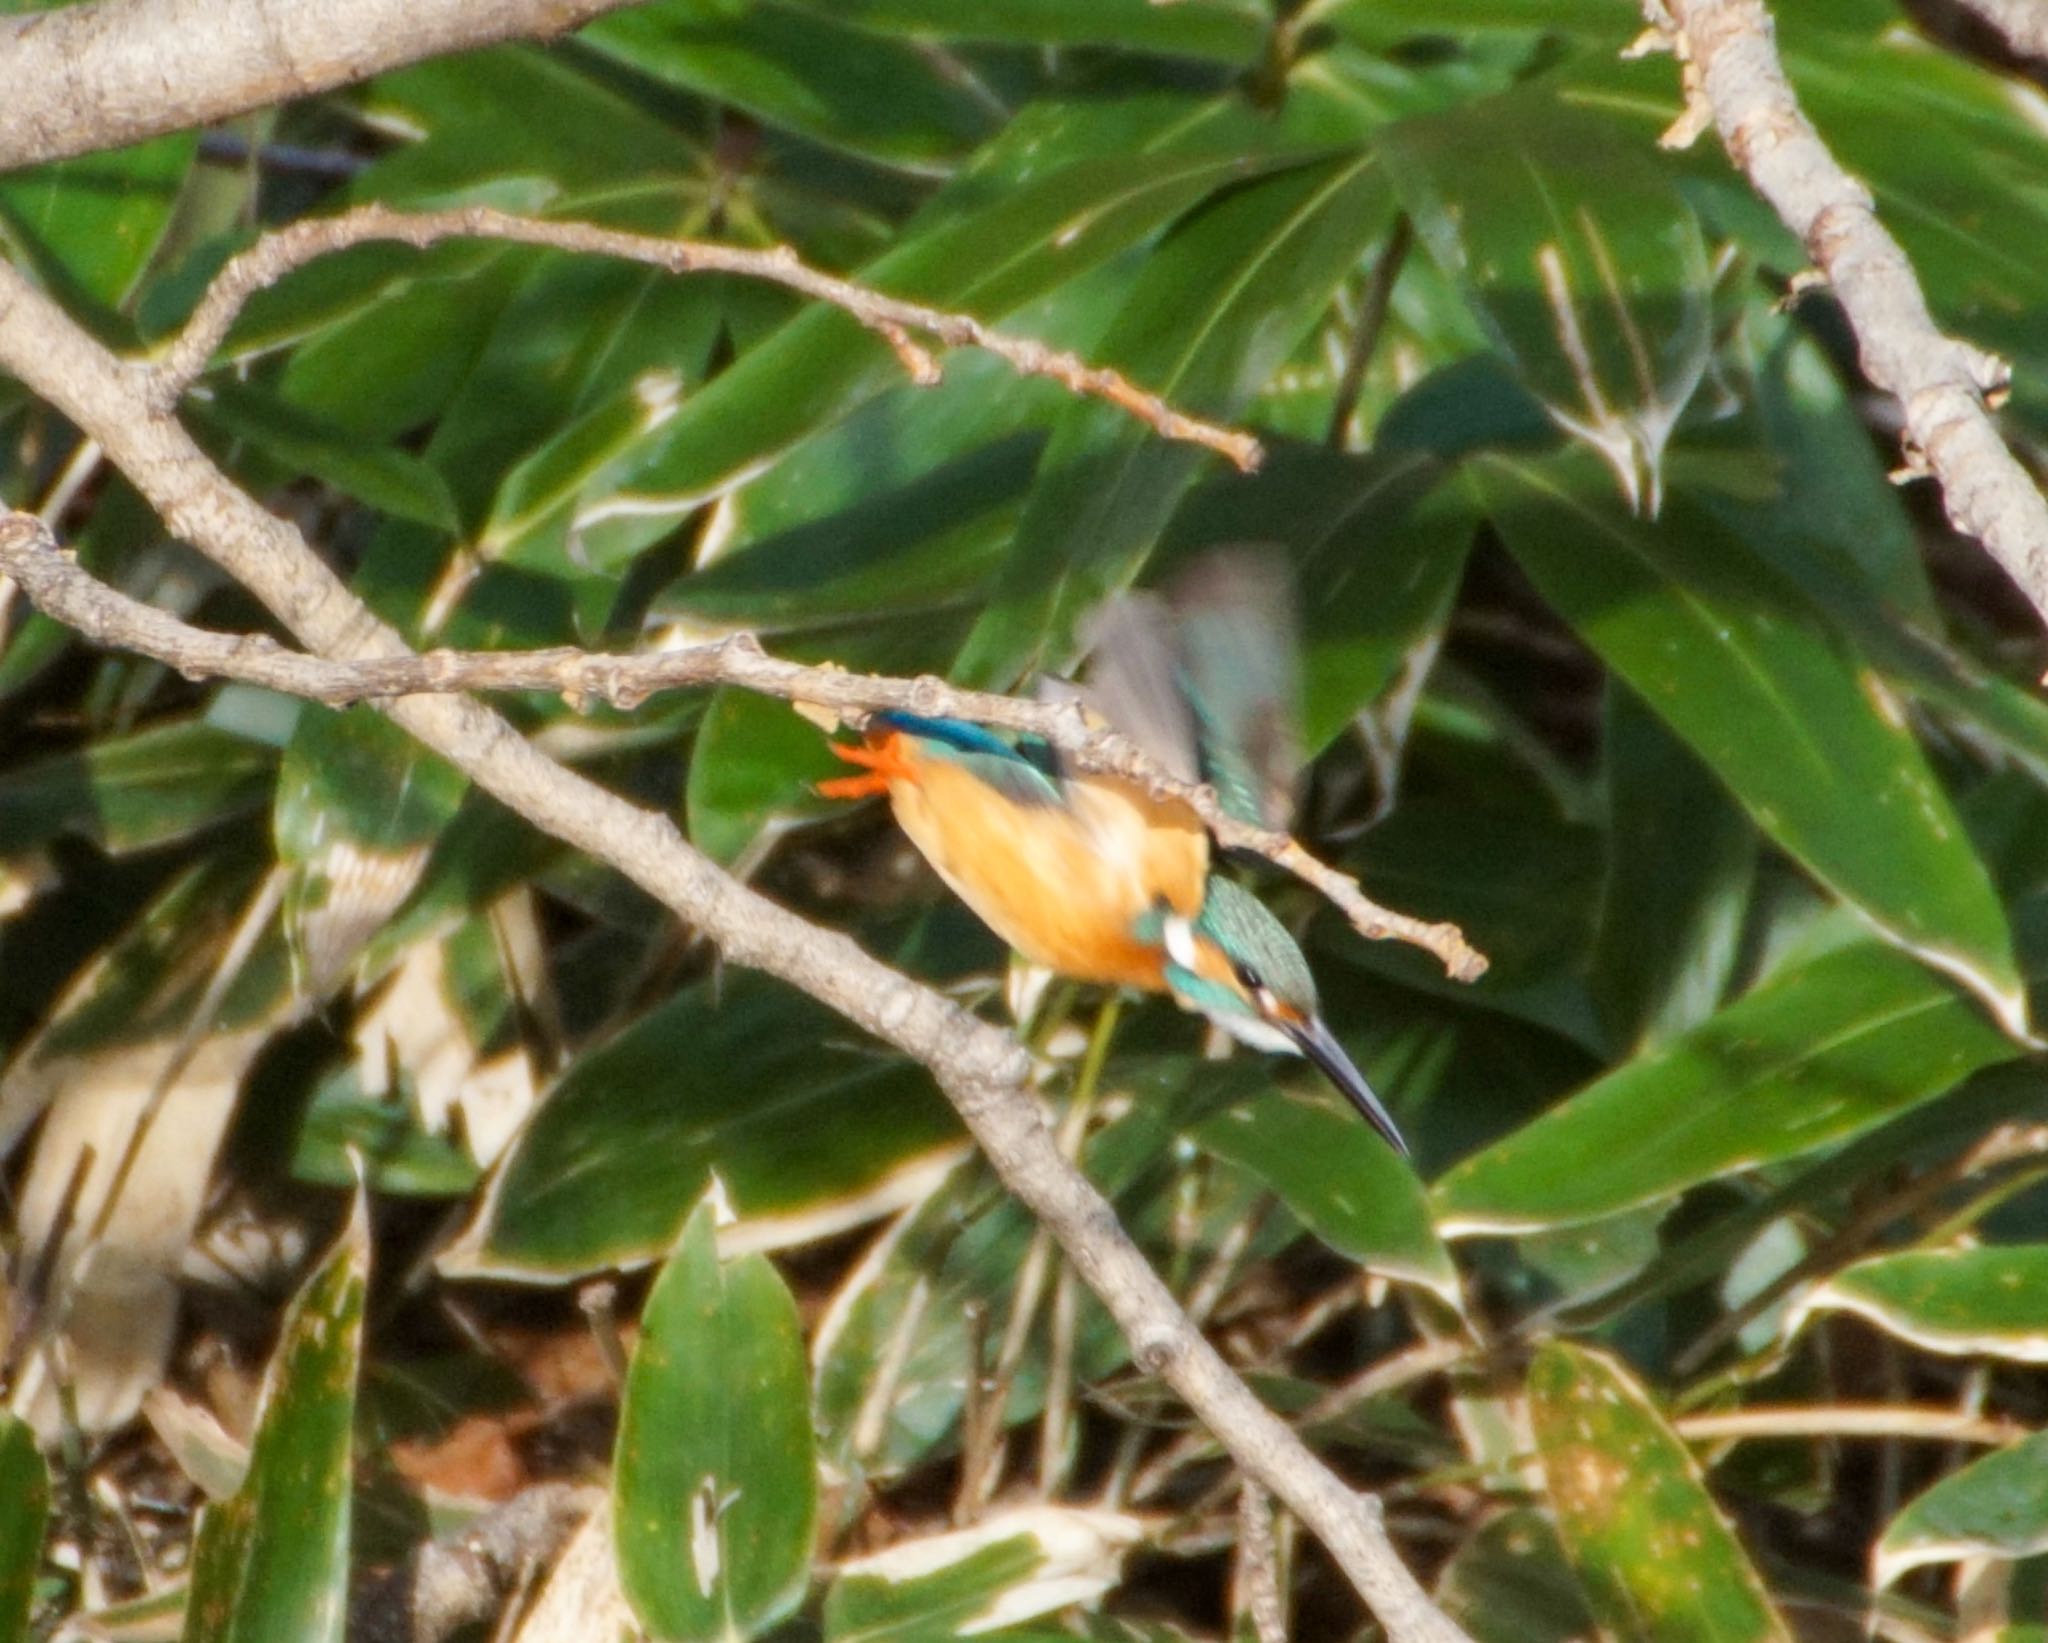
(1250, 979)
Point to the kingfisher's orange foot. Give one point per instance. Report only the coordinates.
(852, 787)
(882, 764)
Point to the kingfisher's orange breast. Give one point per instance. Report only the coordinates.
(1065, 886)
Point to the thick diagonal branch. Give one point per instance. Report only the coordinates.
(982, 1070)
(1734, 80)
(82, 78)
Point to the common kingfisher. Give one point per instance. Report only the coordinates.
(1092, 877)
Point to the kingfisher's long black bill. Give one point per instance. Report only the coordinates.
(1315, 1042)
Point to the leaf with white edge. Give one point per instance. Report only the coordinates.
(1994, 1507)
(24, 1512)
(1009, 1568)
(1740, 663)
(810, 1130)
(1658, 1562)
(1991, 1301)
(1579, 256)
(272, 1562)
(1343, 1181)
(1817, 1053)
(714, 1488)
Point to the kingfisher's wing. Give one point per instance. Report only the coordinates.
(1010, 771)
(1134, 680)
(1238, 648)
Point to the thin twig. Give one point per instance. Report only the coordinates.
(1255, 1576)
(1735, 82)
(984, 1072)
(60, 588)
(894, 320)
(1365, 337)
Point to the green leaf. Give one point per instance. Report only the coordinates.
(24, 1513)
(810, 73)
(1680, 861)
(1994, 1507)
(808, 1128)
(1816, 1054)
(1578, 254)
(990, 244)
(353, 775)
(1225, 32)
(346, 1131)
(919, 546)
(300, 442)
(273, 1561)
(1212, 314)
(134, 792)
(99, 217)
(1991, 1301)
(1736, 661)
(1510, 1583)
(1658, 1562)
(1014, 1567)
(752, 773)
(1344, 1182)
(1376, 551)
(714, 1488)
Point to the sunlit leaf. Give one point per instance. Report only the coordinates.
(1742, 667)
(24, 1513)
(1815, 1055)
(1343, 1181)
(715, 1488)
(1580, 256)
(273, 1561)
(807, 1127)
(1658, 1562)
(1216, 309)
(1011, 1568)
(1990, 1301)
(1994, 1507)
(134, 792)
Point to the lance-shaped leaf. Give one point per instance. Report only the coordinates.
(1062, 204)
(1992, 1301)
(24, 1510)
(358, 804)
(1343, 1181)
(1011, 1568)
(272, 1562)
(714, 1491)
(1994, 1507)
(809, 1129)
(1730, 655)
(92, 223)
(1214, 312)
(1658, 1562)
(1679, 860)
(1578, 254)
(1818, 1053)
(135, 792)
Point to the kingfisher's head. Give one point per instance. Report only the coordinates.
(1235, 963)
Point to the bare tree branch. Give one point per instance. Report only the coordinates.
(82, 78)
(2023, 23)
(983, 1071)
(1734, 81)
(275, 255)
(466, 1578)
(58, 587)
